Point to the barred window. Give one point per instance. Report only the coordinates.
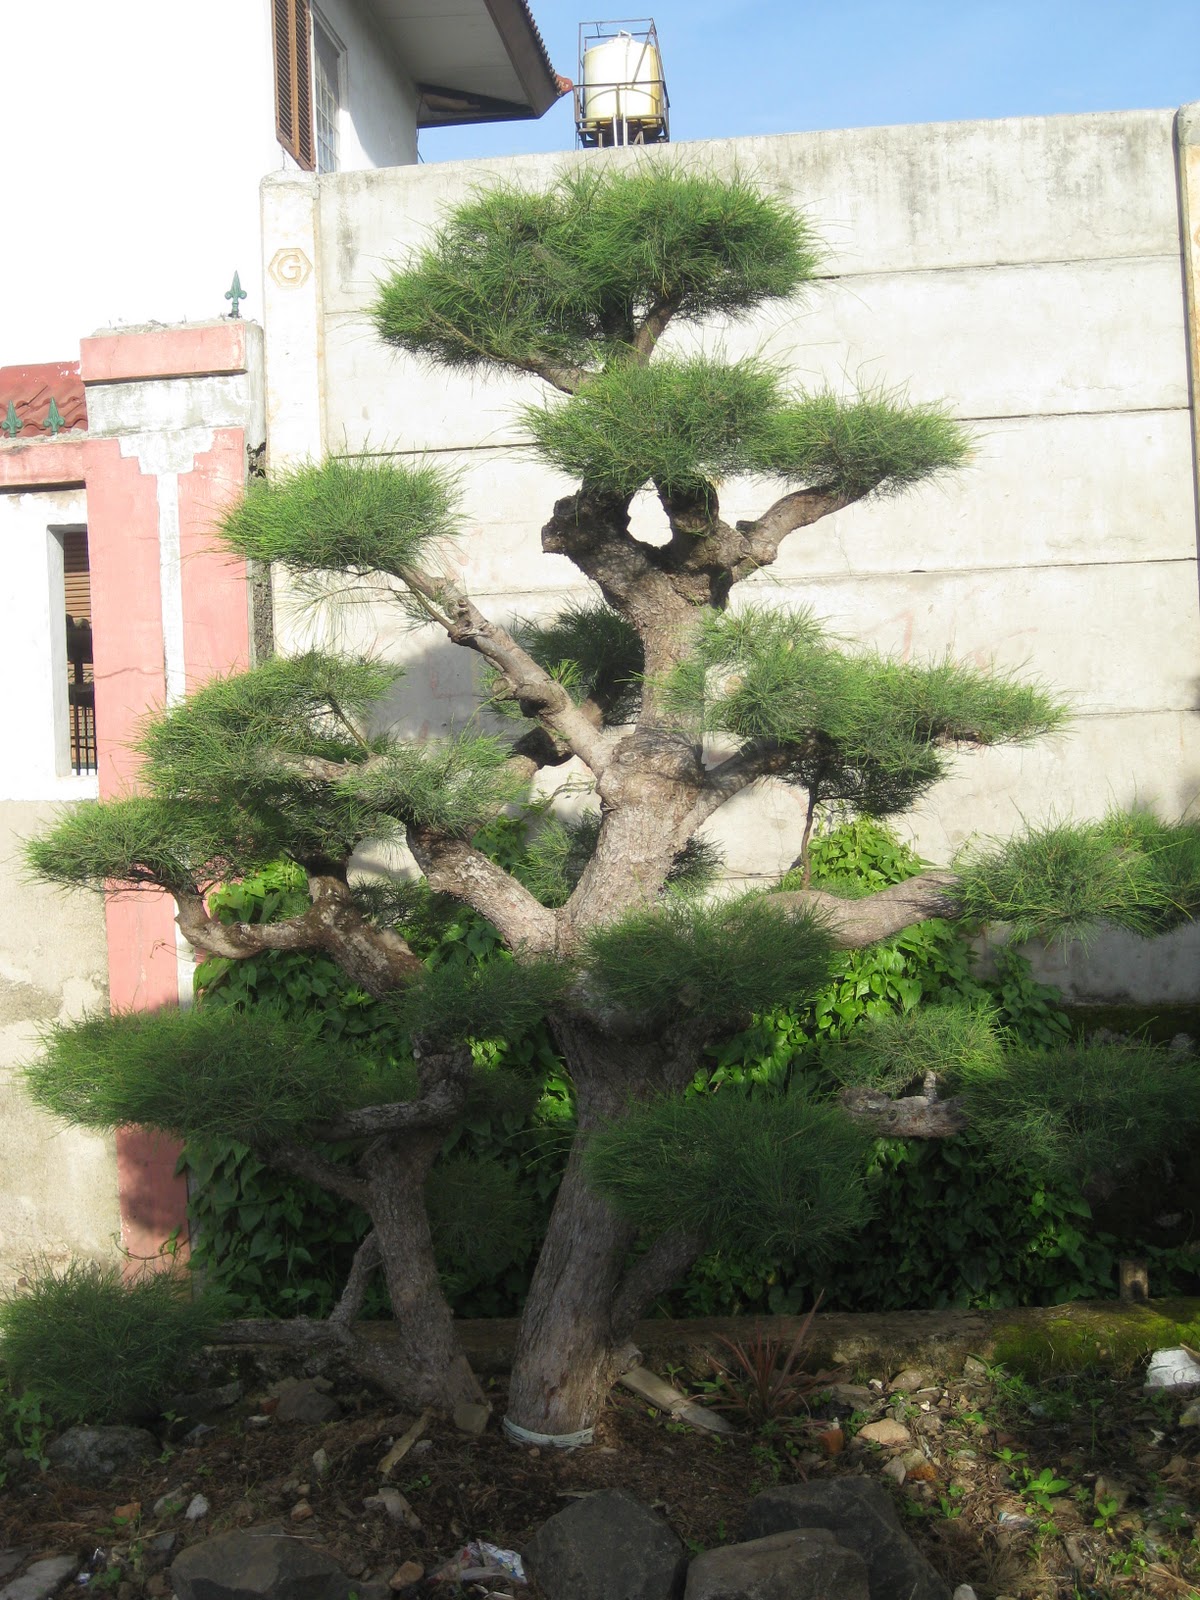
(81, 684)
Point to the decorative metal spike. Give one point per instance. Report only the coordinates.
(12, 423)
(54, 419)
(235, 292)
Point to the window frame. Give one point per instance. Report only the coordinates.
(317, 20)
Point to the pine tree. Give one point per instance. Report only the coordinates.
(677, 699)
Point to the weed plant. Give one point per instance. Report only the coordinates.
(95, 1347)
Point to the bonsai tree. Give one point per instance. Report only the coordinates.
(677, 693)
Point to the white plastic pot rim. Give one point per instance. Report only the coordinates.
(553, 1441)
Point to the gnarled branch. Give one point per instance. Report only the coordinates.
(367, 1259)
(539, 694)
(652, 1274)
(915, 1116)
(451, 866)
(653, 326)
(762, 538)
(854, 923)
(377, 958)
(304, 1162)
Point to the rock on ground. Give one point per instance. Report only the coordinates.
(861, 1516)
(606, 1547)
(305, 1401)
(41, 1579)
(254, 1563)
(804, 1564)
(94, 1455)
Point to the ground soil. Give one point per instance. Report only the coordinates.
(1120, 1519)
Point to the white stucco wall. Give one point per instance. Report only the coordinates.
(58, 1186)
(147, 129)
(33, 646)
(1027, 272)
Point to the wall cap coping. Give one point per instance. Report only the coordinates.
(190, 350)
(28, 464)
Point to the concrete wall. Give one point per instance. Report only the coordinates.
(58, 1186)
(146, 130)
(1028, 272)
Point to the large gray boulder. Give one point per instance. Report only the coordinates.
(94, 1455)
(858, 1512)
(253, 1563)
(607, 1546)
(805, 1564)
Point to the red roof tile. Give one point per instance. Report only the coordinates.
(31, 390)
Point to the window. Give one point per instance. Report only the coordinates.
(291, 27)
(70, 675)
(327, 100)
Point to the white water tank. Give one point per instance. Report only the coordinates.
(622, 82)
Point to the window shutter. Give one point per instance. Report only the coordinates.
(291, 30)
(304, 114)
(76, 579)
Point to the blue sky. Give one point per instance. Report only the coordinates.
(739, 67)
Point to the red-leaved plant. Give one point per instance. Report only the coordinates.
(763, 1378)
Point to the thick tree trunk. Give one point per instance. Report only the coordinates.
(573, 1341)
(565, 1361)
(427, 1368)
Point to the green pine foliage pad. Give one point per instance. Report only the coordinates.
(136, 841)
(1086, 1112)
(770, 1174)
(854, 726)
(208, 1072)
(97, 1347)
(353, 514)
(1060, 881)
(527, 278)
(683, 424)
(897, 1051)
(451, 785)
(712, 962)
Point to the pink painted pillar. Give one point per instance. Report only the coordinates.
(171, 415)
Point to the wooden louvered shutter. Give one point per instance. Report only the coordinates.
(76, 578)
(292, 32)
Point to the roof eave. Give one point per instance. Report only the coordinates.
(524, 47)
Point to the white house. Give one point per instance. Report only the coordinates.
(147, 129)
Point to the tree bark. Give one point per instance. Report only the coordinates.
(428, 1366)
(573, 1341)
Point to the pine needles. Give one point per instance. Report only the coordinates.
(855, 726)
(678, 424)
(773, 1173)
(683, 423)
(99, 1348)
(716, 962)
(1086, 1111)
(135, 841)
(211, 1072)
(897, 1051)
(1063, 879)
(354, 515)
(561, 277)
(451, 785)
